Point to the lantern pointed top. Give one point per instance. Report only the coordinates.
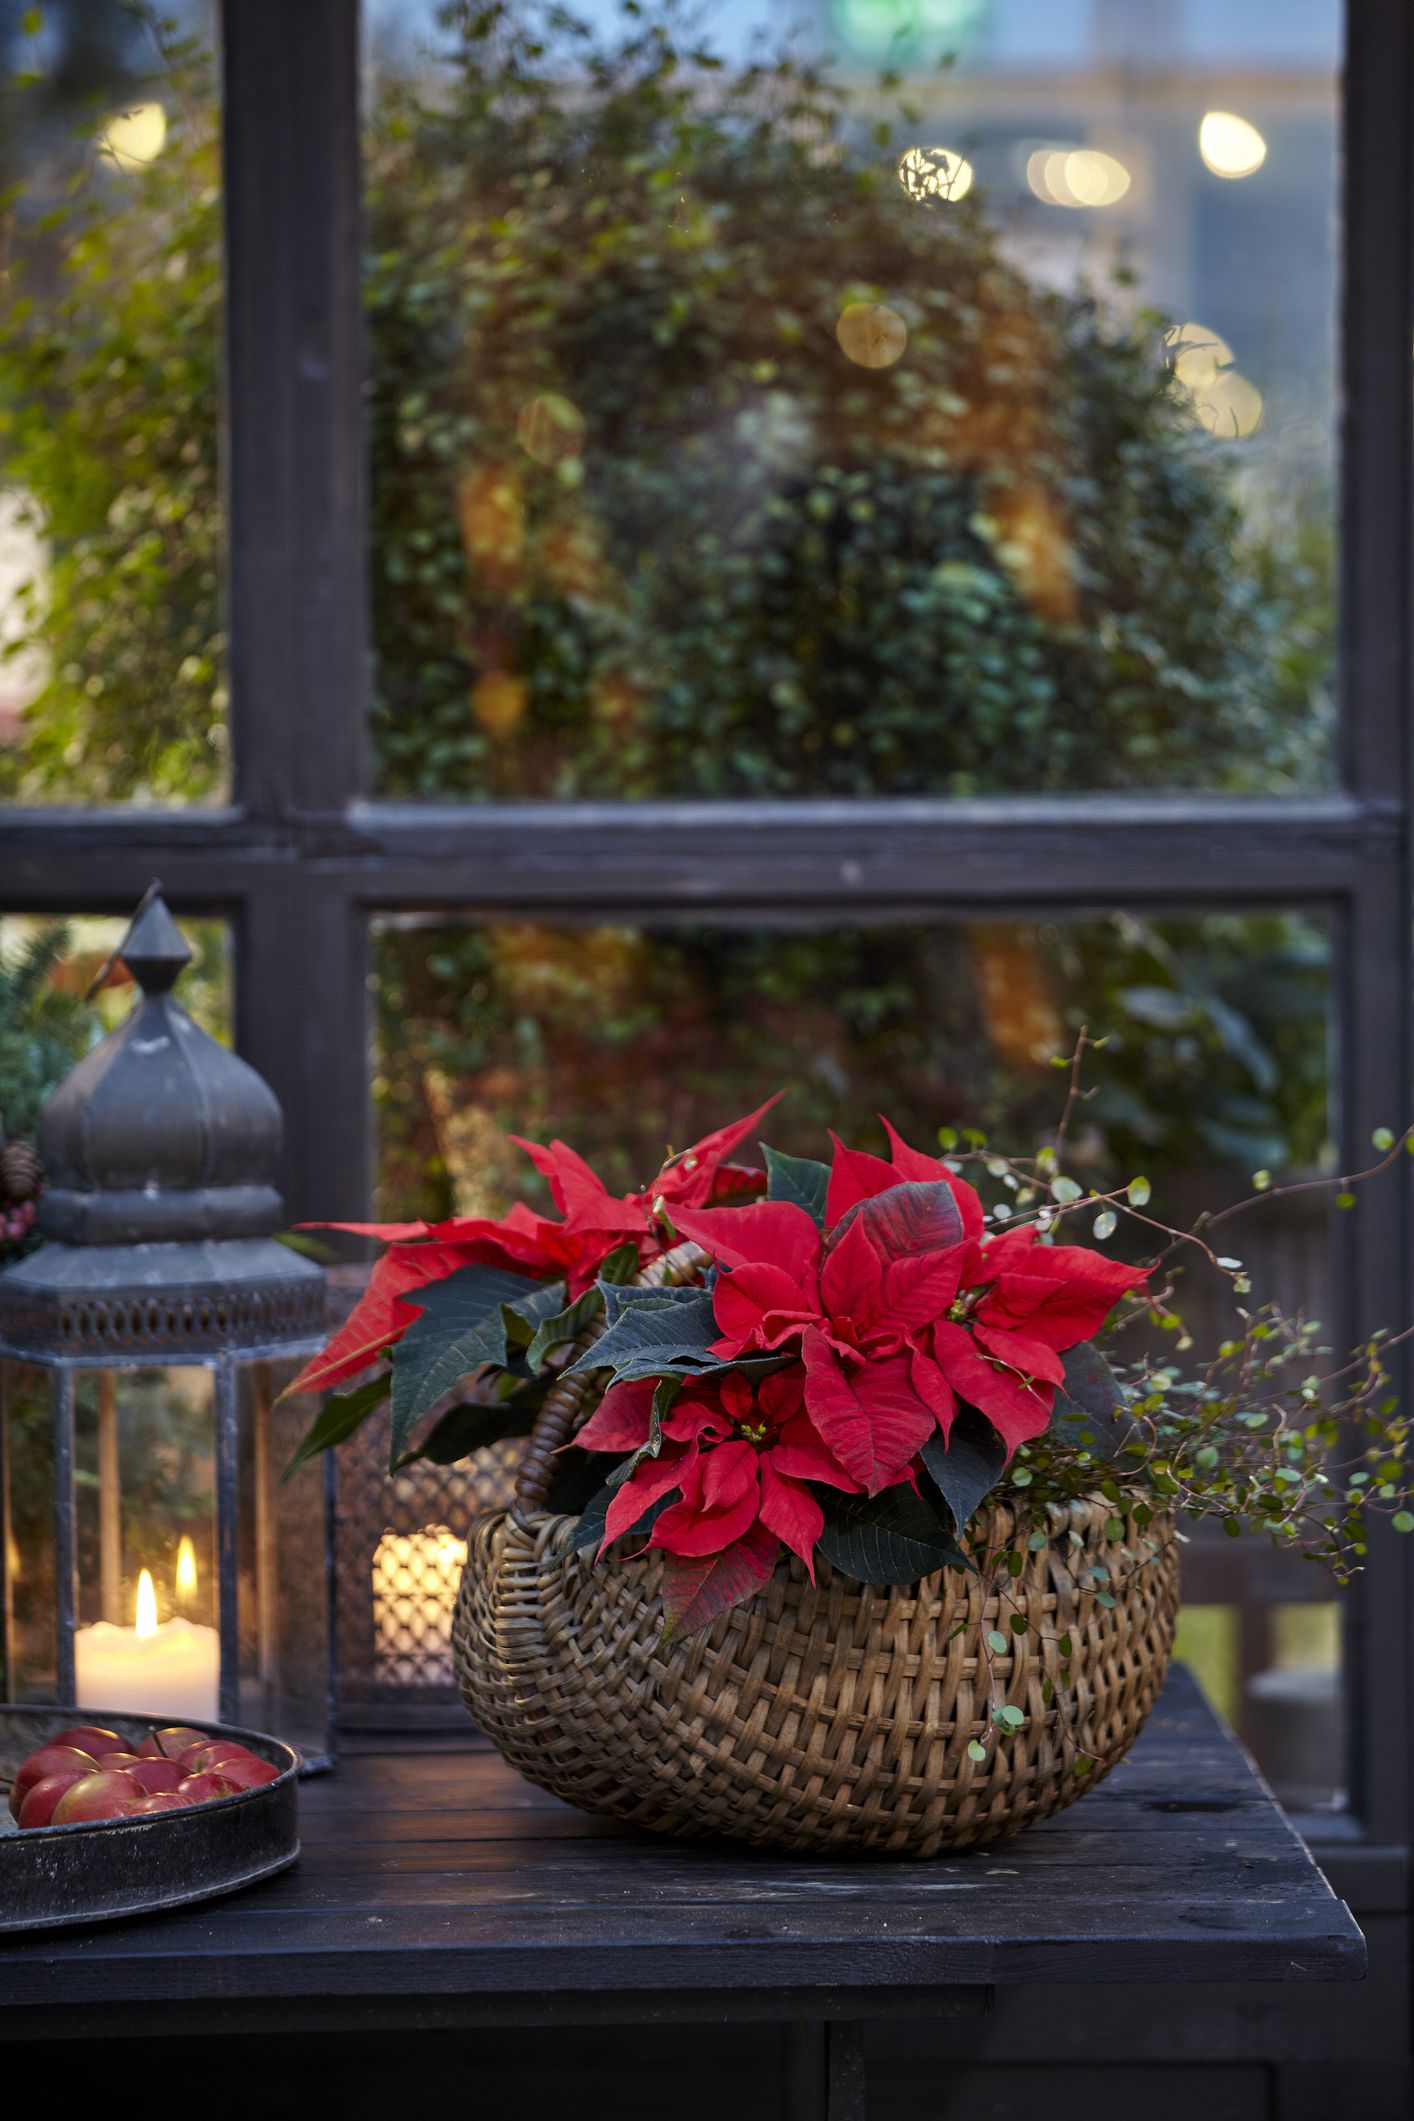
(154, 948)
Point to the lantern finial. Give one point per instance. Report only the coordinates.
(154, 948)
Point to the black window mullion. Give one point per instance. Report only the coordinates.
(296, 517)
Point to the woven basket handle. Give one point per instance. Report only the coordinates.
(563, 1408)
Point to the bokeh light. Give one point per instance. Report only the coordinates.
(1229, 145)
(1077, 176)
(871, 334)
(931, 174)
(135, 137)
(1220, 398)
(551, 428)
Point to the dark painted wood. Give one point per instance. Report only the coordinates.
(436, 1877)
(294, 459)
(832, 860)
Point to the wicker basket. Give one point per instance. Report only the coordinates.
(832, 1718)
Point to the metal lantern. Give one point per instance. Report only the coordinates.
(152, 1557)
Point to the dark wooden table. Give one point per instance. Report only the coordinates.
(437, 1889)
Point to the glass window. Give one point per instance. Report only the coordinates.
(112, 664)
(851, 397)
(627, 1040)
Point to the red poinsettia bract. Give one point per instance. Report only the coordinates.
(593, 1223)
(902, 1307)
(738, 1459)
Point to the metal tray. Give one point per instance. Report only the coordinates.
(54, 1875)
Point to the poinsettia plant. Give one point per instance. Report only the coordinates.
(861, 1354)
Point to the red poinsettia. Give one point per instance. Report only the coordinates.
(902, 1306)
(593, 1223)
(739, 1457)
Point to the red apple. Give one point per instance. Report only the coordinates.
(49, 1760)
(41, 1797)
(159, 1801)
(204, 1788)
(211, 1752)
(157, 1777)
(118, 1760)
(102, 1795)
(91, 1738)
(173, 1742)
(248, 1774)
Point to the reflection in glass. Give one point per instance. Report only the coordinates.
(625, 1041)
(744, 426)
(112, 679)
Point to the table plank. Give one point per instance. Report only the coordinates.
(433, 1877)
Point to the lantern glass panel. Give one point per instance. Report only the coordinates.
(145, 1530)
(284, 1573)
(28, 1546)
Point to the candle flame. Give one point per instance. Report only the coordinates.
(186, 1568)
(146, 1615)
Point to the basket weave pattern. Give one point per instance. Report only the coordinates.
(826, 1718)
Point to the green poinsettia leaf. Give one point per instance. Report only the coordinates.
(1090, 1410)
(462, 1327)
(564, 1327)
(653, 1331)
(798, 1179)
(621, 1264)
(337, 1419)
(893, 1537)
(469, 1428)
(968, 1466)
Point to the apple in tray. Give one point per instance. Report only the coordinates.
(88, 1773)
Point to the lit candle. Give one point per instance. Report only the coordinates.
(186, 1571)
(415, 1578)
(170, 1670)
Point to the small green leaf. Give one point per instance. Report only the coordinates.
(565, 1326)
(1013, 1718)
(1138, 1191)
(976, 1750)
(997, 1642)
(1064, 1189)
(1382, 1138)
(1018, 1623)
(340, 1415)
(1104, 1224)
(799, 1179)
(1403, 1521)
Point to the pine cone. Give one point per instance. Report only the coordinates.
(21, 1173)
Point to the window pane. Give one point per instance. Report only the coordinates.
(625, 1040)
(744, 426)
(112, 666)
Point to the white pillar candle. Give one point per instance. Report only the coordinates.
(172, 1670)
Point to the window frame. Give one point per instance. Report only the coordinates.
(301, 863)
